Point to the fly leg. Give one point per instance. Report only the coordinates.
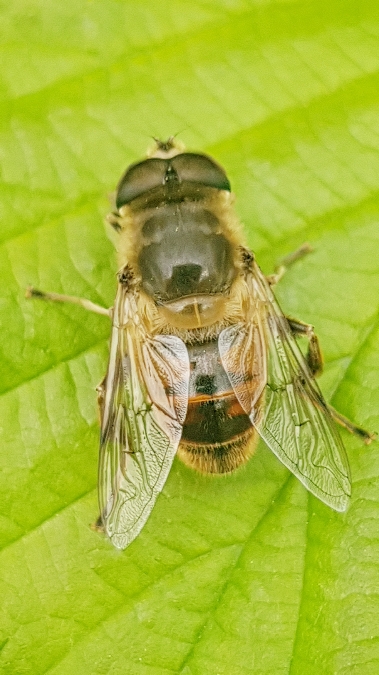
(56, 297)
(86, 304)
(315, 362)
(286, 262)
(364, 435)
(314, 354)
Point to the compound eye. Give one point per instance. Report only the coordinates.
(200, 169)
(140, 178)
(185, 168)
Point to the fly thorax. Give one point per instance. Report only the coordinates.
(186, 263)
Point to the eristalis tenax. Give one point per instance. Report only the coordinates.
(202, 360)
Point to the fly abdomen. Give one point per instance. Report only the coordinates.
(214, 419)
(217, 434)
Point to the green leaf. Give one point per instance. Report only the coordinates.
(241, 574)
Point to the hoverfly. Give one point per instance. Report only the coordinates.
(202, 360)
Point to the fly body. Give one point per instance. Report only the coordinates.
(202, 360)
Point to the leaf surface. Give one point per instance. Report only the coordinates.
(241, 574)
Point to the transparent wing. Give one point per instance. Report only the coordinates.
(143, 409)
(282, 400)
